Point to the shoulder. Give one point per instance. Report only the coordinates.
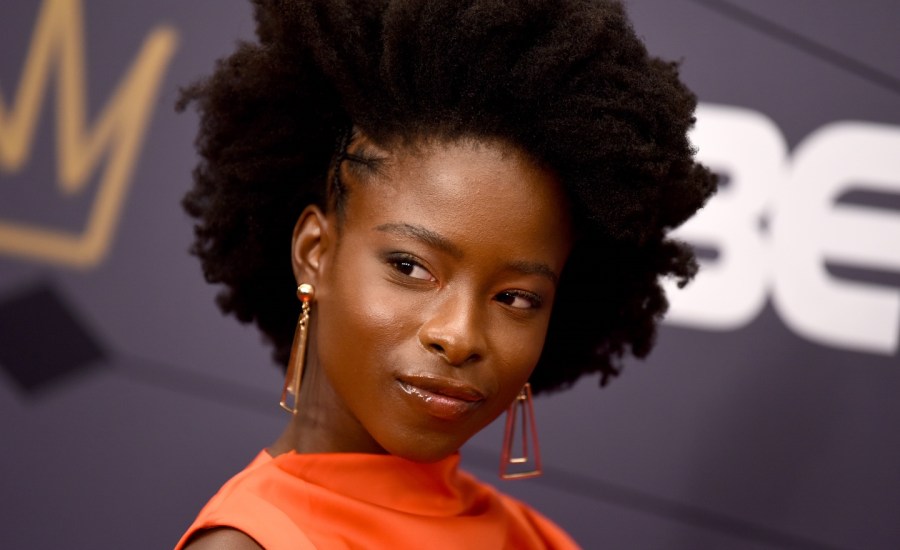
(223, 538)
(254, 509)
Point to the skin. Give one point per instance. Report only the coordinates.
(439, 278)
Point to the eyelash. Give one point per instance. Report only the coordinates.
(535, 300)
(400, 261)
(397, 260)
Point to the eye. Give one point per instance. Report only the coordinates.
(411, 268)
(519, 299)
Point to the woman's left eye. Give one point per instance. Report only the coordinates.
(519, 299)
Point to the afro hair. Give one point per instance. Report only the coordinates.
(567, 81)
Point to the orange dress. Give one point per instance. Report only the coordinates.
(348, 500)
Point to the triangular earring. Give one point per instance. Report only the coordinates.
(527, 464)
(294, 374)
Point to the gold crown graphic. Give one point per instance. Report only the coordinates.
(58, 43)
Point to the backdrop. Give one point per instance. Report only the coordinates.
(766, 417)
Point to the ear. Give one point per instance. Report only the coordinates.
(312, 239)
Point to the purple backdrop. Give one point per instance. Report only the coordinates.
(766, 417)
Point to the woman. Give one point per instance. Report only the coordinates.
(431, 180)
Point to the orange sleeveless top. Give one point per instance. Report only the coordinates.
(348, 500)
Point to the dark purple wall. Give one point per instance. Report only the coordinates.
(766, 418)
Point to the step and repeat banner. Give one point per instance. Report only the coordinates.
(767, 416)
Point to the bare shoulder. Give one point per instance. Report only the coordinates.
(222, 538)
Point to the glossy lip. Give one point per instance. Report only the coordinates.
(443, 398)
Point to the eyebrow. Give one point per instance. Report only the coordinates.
(535, 268)
(440, 242)
(425, 235)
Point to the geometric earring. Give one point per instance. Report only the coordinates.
(522, 406)
(294, 374)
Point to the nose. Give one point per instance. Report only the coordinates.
(454, 329)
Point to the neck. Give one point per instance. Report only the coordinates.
(323, 424)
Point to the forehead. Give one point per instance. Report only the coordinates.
(479, 190)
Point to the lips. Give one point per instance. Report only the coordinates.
(443, 398)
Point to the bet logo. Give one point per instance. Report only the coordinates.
(783, 219)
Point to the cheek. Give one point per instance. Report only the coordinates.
(373, 314)
(360, 322)
(519, 350)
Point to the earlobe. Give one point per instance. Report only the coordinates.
(310, 241)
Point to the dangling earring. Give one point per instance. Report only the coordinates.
(305, 292)
(522, 404)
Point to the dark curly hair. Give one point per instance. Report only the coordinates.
(567, 81)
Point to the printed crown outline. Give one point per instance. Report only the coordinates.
(58, 43)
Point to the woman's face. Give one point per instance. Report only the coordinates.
(433, 295)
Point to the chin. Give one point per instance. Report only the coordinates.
(426, 449)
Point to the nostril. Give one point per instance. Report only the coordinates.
(438, 348)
